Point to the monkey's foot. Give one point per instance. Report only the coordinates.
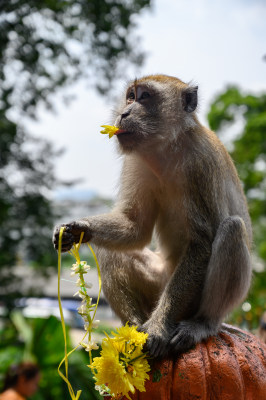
(189, 333)
(157, 346)
(157, 343)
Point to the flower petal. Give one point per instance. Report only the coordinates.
(109, 129)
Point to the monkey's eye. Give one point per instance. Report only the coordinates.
(131, 96)
(145, 95)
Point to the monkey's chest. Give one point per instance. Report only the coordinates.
(172, 232)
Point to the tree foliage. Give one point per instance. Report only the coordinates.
(248, 150)
(45, 45)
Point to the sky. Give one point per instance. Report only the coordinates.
(212, 43)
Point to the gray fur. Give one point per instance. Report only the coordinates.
(178, 181)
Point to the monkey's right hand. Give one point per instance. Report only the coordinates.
(71, 234)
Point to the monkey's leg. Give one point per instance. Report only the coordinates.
(226, 284)
(132, 282)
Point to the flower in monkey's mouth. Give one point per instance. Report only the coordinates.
(109, 130)
(122, 367)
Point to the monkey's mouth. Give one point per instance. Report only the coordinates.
(122, 132)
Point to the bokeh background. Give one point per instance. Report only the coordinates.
(63, 64)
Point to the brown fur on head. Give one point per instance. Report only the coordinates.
(163, 79)
(151, 104)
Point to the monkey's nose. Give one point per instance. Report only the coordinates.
(125, 114)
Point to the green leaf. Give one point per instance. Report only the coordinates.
(157, 376)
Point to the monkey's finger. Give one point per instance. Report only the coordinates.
(67, 242)
(65, 247)
(158, 350)
(56, 234)
(66, 238)
(157, 347)
(58, 228)
(182, 342)
(77, 227)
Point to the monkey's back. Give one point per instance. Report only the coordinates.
(213, 187)
(200, 191)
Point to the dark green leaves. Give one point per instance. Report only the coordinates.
(249, 154)
(47, 44)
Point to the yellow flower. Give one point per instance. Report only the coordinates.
(122, 367)
(110, 371)
(130, 334)
(110, 130)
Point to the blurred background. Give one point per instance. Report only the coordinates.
(63, 64)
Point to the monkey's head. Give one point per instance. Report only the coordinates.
(153, 112)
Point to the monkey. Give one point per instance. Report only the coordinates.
(179, 183)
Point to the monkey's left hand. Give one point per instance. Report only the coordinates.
(71, 234)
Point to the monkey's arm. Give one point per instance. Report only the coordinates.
(124, 228)
(119, 230)
(129, 226)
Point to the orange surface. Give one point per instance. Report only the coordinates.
(229, 366)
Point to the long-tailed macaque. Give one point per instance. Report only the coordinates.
(179, 181)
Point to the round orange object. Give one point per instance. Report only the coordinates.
(228, 366)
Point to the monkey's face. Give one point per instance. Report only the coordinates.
(140, 118)
(151, 111)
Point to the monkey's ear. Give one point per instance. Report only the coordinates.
(190, 98)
